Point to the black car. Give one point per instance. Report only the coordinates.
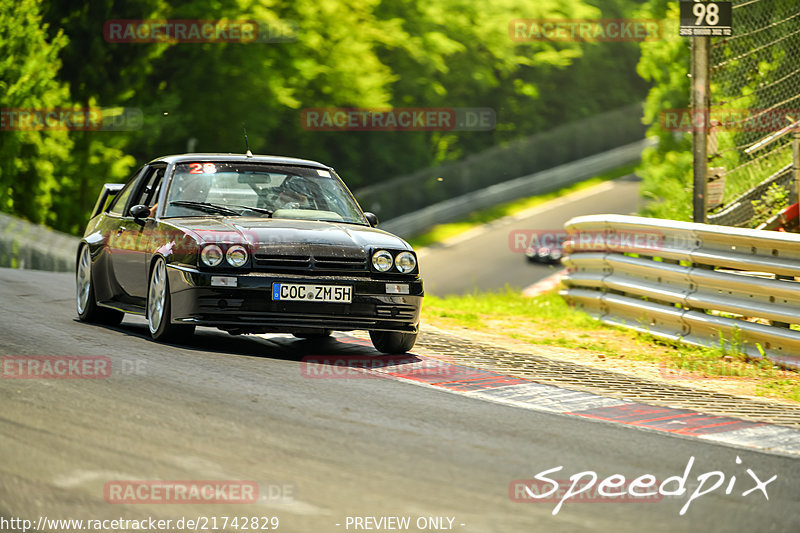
(247, 244)
(550, 255)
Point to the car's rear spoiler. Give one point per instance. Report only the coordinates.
(109, 190)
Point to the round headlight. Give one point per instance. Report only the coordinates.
(382, 260)
(405, 262)
(236, 256)
(212, 255)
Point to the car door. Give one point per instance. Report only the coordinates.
(114, 230)
(125, 244)
(147, 232)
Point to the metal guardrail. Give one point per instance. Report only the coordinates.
(453, 209)
(31, 246)
(520, 157)
(696, 283)
(741, 211)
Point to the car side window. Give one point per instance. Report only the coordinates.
(121, 200)
(148, 193)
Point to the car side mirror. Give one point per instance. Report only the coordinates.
(140, 211)
(372, 218)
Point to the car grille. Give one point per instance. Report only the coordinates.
(284, 261)
(312, 264)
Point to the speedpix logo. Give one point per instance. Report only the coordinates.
(581, 487)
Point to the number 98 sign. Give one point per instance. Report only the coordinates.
(706, 19)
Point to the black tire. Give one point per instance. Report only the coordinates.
(85, 301)
(392, 341)
(159, 308)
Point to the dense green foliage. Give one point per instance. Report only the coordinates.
(30, 161)
(354, 53)
(666, 168)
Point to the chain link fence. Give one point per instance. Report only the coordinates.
(755, 92)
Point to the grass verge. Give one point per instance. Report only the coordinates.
(442, 232)
(547, 320)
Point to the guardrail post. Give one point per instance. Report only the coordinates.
(775, 323)
(794, 188)
(701, 116)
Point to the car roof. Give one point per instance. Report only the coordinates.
(242, 158)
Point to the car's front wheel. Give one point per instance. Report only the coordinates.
(88, 310)
(159, 310)
(392, 341)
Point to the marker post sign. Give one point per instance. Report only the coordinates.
(706, 19)
(701, 21)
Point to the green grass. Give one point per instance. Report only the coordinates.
(442, 232)
(548, 320)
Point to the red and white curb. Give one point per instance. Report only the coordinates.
(509, 390)
(545, 285)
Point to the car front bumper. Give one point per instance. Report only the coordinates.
(248, 307)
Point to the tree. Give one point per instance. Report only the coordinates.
(30, 159)
(666, 169)
(344, 53)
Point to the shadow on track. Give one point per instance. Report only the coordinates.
(340, 349)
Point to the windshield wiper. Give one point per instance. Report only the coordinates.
(256, 209)
(205, 206)
(341, 222)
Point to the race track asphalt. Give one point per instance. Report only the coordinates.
(242, 408)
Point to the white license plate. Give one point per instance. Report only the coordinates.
(301, 292)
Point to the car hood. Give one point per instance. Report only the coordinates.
(268, 235)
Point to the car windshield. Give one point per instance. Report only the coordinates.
(263, 190)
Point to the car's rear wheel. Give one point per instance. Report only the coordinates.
(159, 308)
(88, 310)
(392, 341)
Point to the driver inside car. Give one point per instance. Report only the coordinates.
(290, 194)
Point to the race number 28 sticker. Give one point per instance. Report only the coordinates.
(202, 168)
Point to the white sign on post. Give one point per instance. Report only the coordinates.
(716, 187)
